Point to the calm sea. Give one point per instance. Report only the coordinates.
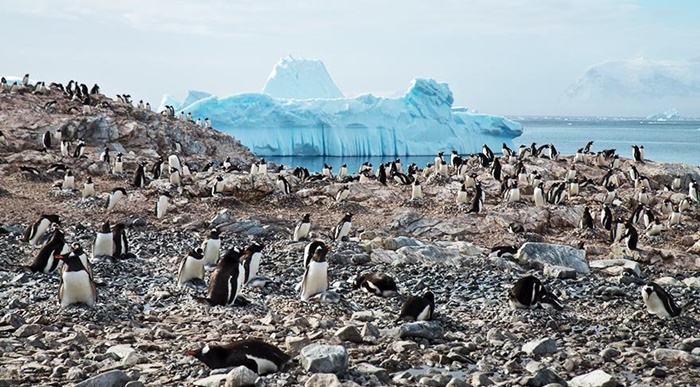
(671, 141)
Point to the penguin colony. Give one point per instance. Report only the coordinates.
(233, 268)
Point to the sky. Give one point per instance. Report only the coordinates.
(509, 57)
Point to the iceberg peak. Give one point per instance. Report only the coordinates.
(298, 78)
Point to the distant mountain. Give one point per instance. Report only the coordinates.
(637, 86)
(297, 78)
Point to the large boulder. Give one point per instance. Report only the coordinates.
(540, 254)
(327, 359)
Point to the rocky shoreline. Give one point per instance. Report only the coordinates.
(143, 323)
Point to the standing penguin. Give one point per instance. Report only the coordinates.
(416, 191)
(139, 177)
(606, 217)
(631, 237)
(659, 302)
(104, 243)
(118, 164)
(538, 195)
(104, 156)
(76, 284)
(114, 198)
(65, 148)
(175, 178)
(262, 167)
(251, 261)
(586, 219)
(227, 280)
(256, 355)
(68, 180)
(636, 154)
(218, 187)
(155, 170)
(418, 308)
(315, 279)
(462, 194)
(46, 140)
(174, 162)
(528, 292)
(88, 188)
(212, 248)
(120, 242)
(45, 261)
(342, 230)
(162, 204)
(302, 228)
(33, 233)
(381, 174)
(376, 283)
(283, 185)
(79, 150)
(191, 267)
(343, 172)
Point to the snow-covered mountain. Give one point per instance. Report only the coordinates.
(421, 122)
(297, 78)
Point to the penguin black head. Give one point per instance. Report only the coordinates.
(89, 180)
(119, 227)
(306, 218)
(105, 228)
(219, 178)
(255, 247)
(214, 234)
(232, 257)
(209, 355)
(430, 297)
(320, 253)
(348, 217)
(52, 218)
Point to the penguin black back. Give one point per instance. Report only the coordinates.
(418, 308)
(256, 355)
(224, 283)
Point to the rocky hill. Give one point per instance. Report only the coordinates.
(144, 322)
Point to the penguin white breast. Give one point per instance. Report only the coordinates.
(344, 230)
(104, 245)
(315, 279)
(77, 288)
(114, 199)
(254, 265)
(190, 268)
(162, 206)
(416, 192)
(264, 366)
(424, 314)
(654, 304)
(302, 231)
(461, 197)
(211, 251)
(40, 230)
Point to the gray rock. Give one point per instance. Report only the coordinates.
(597, 378)
(241, 376)
(364, 315)
(211, 381)
(456, 382)
(323, 380)
(368, 329)
(349, 333)
(294, 344)
(540, 347)
(479, 379)
(371, 370)
(692, 282)
(12, 319)
(609, 354)
(428, 254)
(75, 373)
(134, 383)
(561, 272)
(544, 377)
(675, 356)
(403, 346)
(557, 255)
(316, 358)
(114, 378)
(616, 266)
(121, 350)
(430, 330)
(27, 330)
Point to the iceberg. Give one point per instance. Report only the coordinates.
(297, 78)
(668, 115)
(419, 123)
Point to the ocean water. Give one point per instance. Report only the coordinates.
(670, 141)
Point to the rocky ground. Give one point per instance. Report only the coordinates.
(144, 323)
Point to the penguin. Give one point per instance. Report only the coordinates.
(642, 182)
(68, 180)
(155, 170)
(104, 242)
(76, 285)
(343, 172)
(262, 167)
(227, 280)
(610, 194)
(327, 171)
(666, 207)
(685, 204)
(342, 230)
(88, 188)
(212, 248)
(218, 187)
(606, 217)
(302, 228)
(586, 219)
(140, 105)
(477, 203)
(256, 355)
(648, 217)
(192, 267)
(45, 261)
(120, 242)
(381, 174)
(140, 176)
(376, 283)
(633, 173)
(342, 194)
(251, 262)
(364, 178)
(462, 194)
(402, 178)
(571, 173)
(654, 229)
(500, 251)
(506, 151)
(189, 116)
(175, 177)
(207, 123)
(104, 156)
(283, 185)
(254, 169)
(522, 151)
(174, 162)
(528, 293)
(114, 198)
(65, 148)
(470, 180)
(443, 169)
(118, 164)
(162, 205)
(182, 116)
(57, 168)
(573, 188)
(487, 152)
(33, 233)
(631, 237)
(79, 150)
(693, 191)
(227, 163)
(676, 183)
(674, 217)
(659, 302)
(416, 191)
(512, 195)
(309, 251)
(496, 170)
(315, 278)
(199, 122)
(538, 195)
(46, 140)
(417, 308)
(636, 154)
(148, 106)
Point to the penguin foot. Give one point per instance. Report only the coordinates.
(240, 301)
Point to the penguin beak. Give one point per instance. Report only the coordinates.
(192, 353)
(58, 256)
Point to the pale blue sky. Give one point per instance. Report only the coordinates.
(499, 56)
